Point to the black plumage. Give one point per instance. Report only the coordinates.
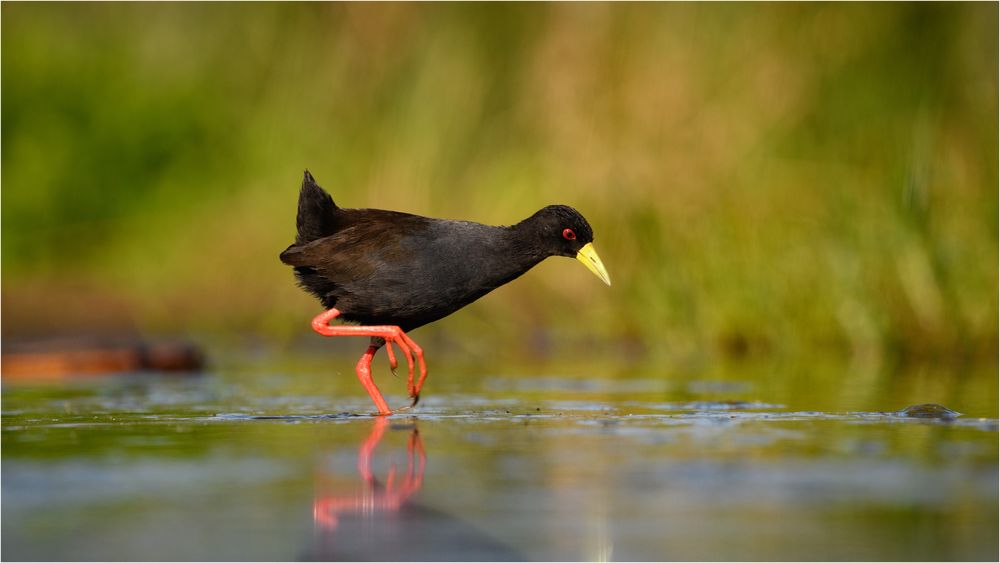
(389, 268)
(386, 268)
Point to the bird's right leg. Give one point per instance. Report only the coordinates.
(364, 371)
(391, 334)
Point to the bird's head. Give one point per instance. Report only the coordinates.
(560, 230)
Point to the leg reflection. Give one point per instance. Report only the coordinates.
(382, 521)
(372, 497)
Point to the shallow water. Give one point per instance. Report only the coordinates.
(277, 465)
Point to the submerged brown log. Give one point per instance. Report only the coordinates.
(59, 359)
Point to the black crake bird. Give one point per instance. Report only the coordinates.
(392, 272)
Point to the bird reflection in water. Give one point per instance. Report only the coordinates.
(381, 522)
(373, 497)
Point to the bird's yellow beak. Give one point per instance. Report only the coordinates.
(592, 261)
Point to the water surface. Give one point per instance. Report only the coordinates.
(273, 465)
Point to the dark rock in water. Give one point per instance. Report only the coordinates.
(929, 410)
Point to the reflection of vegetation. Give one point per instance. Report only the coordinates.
(538, 482)
(779, 178)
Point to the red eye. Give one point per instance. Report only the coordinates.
(568, 234)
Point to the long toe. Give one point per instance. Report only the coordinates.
(392, 357)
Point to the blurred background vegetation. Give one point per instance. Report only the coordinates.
(764, 180)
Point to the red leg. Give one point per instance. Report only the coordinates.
(364, 370)
(392, 335)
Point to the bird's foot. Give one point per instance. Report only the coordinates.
(414, 355)
(391, 334)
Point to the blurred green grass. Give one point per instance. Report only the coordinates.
(763, 179)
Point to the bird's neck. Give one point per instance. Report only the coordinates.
(520, 247)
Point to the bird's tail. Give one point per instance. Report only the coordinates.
(316, 217)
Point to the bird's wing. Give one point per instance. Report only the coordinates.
(359, 250)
